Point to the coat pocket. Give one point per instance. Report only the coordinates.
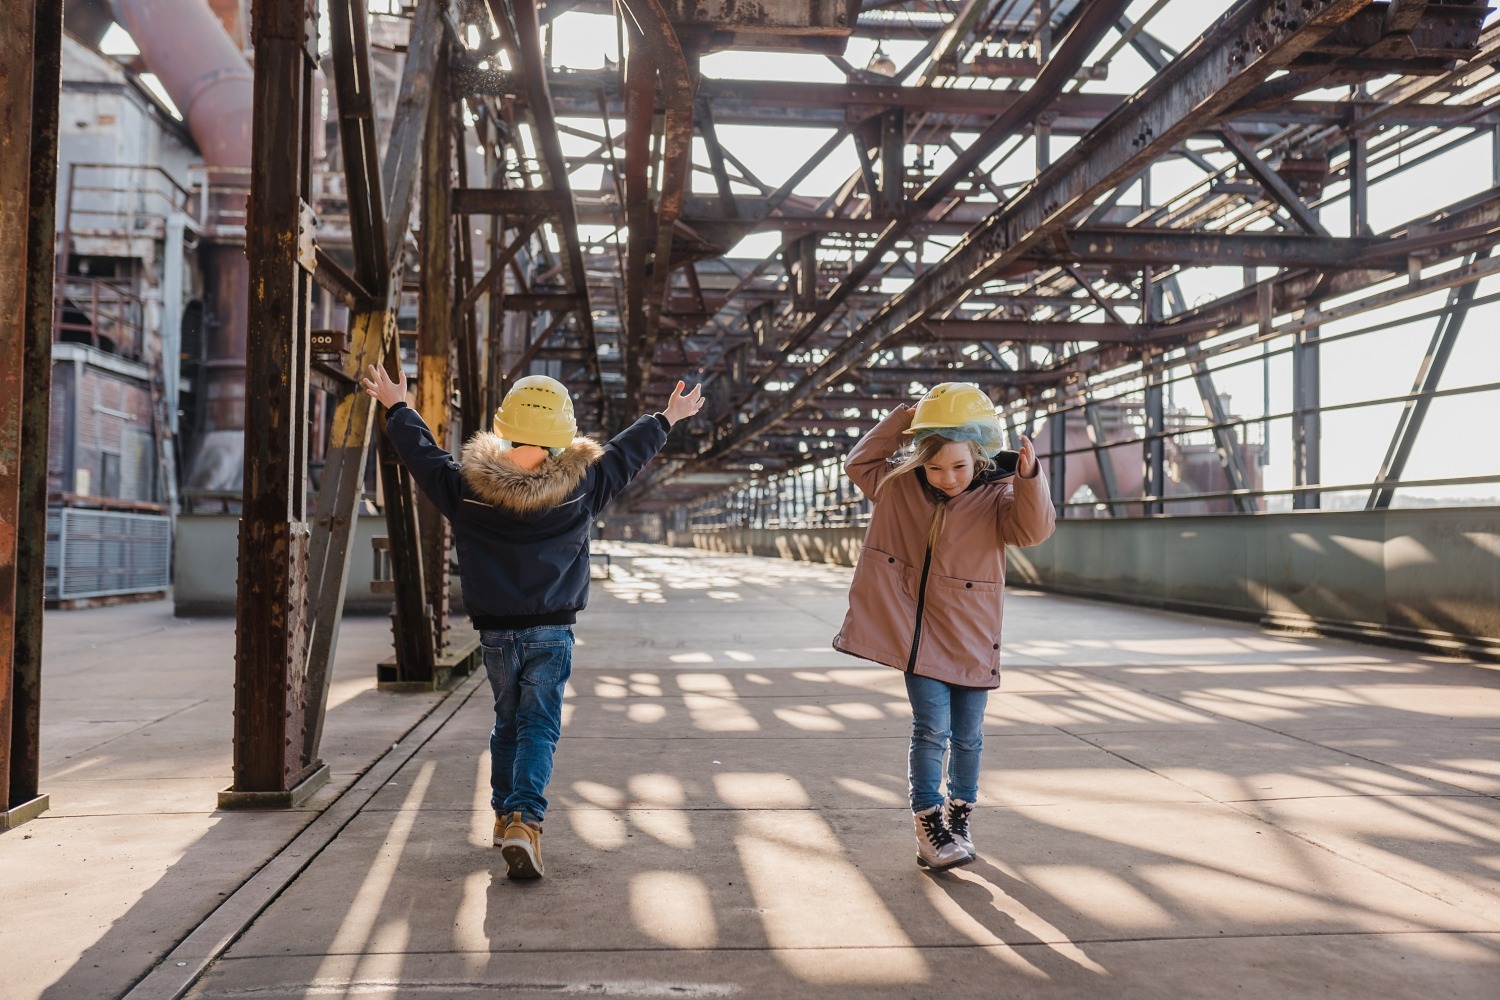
(961, 629)
(882, 608)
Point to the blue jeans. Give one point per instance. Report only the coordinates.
(528, 669)
(944, 717)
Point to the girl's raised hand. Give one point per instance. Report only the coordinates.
(683, 404)
(1026, 467)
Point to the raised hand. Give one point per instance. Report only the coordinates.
(683, 404)
(1026, 467)
(387, 392)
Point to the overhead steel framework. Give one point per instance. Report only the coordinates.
(1006, 218)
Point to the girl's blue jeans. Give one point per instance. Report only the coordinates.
(944, 717)
(528, 669)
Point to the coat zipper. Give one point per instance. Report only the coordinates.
(936, 527)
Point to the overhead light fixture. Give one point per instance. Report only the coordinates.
(881, 64)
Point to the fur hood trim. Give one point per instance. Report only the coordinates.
(494, 479)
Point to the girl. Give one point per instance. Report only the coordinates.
(927, 592)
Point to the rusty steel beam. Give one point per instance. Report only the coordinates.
(1026, 331)
(372, 340)
(1443, 234)
(1134, 247)
(522, 24)
(508, 201)
(17, 78)
(1254, 40)
(1274, 186)
(1083, 35)
(25, 798)
(829, 105)
(543, 302)
(272, 623)
(434, 372)
(656, 54)
(350, 55)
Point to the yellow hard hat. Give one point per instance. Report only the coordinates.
(952, 404)
(539, 411)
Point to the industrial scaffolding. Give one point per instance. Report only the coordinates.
(1009, 220)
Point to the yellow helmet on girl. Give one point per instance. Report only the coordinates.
(537, 411)
(952, 404)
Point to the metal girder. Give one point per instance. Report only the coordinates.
(1250, 43)
(1084, 34)
(1429, 375)
(655, 56)
(29, 86)
(372, 333)
(353, 90)
(1307, 430)
(508, 201)
(520, 20)
(1459, 228)
(1028, 331)
(1139, 246)
(272, 621)
(1272, 182)
(824, 105)
(435, 365)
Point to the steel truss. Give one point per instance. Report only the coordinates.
(1060, 292)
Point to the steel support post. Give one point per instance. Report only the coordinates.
(411, 620)
(1155, 444)
(16, 77)
(270, 768)
(1057, 459)
(1225, 441)
(1429, 375)
(25, 799)
(372, 340)
(1307, 430)
(28, 185)
(1359, 186)
(435, 366)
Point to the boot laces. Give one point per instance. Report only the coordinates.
(958, 819)
(935, 829)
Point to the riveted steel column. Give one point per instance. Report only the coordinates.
(17, 76)
(25, 799)
(1306, 427)
(272, 619)
(435, 355)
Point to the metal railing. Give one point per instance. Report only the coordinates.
(100, 553)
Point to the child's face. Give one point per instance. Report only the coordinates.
(951, 469)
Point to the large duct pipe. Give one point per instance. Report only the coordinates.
(210, 81)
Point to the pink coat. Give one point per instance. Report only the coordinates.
(956, 596)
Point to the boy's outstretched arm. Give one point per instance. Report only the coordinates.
(629, 451)
(434, 470)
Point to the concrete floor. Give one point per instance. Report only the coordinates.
(1170, 807)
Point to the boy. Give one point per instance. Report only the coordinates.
(521, 501)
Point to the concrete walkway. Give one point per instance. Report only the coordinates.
(1170, 807)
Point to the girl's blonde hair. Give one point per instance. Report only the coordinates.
(924, 451)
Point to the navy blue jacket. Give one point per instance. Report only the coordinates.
(523, 535)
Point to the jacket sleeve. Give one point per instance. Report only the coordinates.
(434, 470)
(1027, 516)
(868, 460)
(625, 455)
